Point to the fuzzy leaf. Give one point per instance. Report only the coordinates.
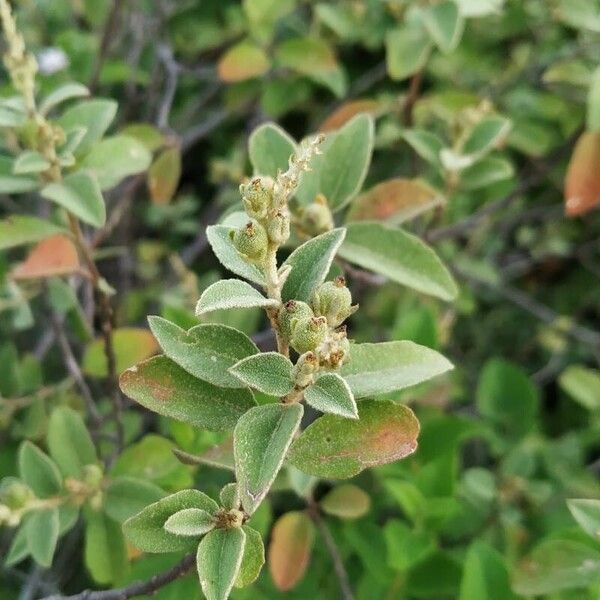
(229, 257)
(219, 560)
(338, 448)
(205, 351)
(445, 25)
(331, 394)
(231, 293)
(30, 162)
(115, 158)
(39, 471)
(67, 91)
(253, 558)
(69, 442)
(587, 514)
(426, 144)
(407, 50)
(80, 194)
(164, 387)
(126, 496)
(270, 149)
(390, 366)
(346, 501)
(485, 172)
(146, 529)
(261, 440)
(400, 256)
(41, 531)
(486, 136)
(230, 496)
(17, 230)
(95, 115)
(53, 257)
(190, 522)
(291, 544)
(268, 372)
(310, 264)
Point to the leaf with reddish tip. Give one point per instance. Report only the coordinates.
(339, 117)
(395, 201)
(346, 501)
(338, 448)
(51, 257)
(242, 61)
(290, 548)
(131, 345)
(582, 182)
(162, 386)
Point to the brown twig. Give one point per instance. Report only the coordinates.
(139, 588)
(107, 38)
(411, 98)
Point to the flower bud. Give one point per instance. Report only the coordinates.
(16, 495)
(308, 333)
(305, 368)
(257, 196)
(333, 300)
(292, 310)
(251, 240)
(278, 228)
(316, 218)
(335, 351)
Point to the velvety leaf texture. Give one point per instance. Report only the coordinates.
(268, 372)
(270, 149)
(231, 293)
(331, 394)
(164, 387)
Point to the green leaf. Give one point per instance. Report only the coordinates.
(346, 501)
(17, 230)
(12, 184)
(587, 514)
(9, 117)
(345, 161)
(80, 194)
(130, 344)
(270, 149)
(593, 103)
(507, 397)
(164, 387)
(190, 522)
(205, 351)
(30, 162)
(114, 158)
(39, 471)
(127, 496)
(164, 175)
(41, 531)
(485, 172)
(398, 255)
(268, 372)
(556, 565)
(338, 448)
(219, 560)
(67, 91)
(105, 551)
(486, 135)
(308, 56)
(445, 25)
(18, 550)
(485, 574)
(426, 144)
(390, 366)
(220, 241)
(582, 384)
(253, 558)
(230, 496)
(146, 529)
(310, 264)
(231, 293)
(243, 61)
(331, 394)
(95, 115)
(260, 442)
(407, 51)
(406, 547)
(69, 442)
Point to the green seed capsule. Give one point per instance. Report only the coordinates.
(292, 310)
(251, 240)
(316, 218)
(333, 300)
(308, 334)
(257, 196)
(278, 228)
(305, 369)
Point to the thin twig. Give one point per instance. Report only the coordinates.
(338, 563)
(107, 38)
(139, 588)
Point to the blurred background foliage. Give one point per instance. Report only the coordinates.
(480, 510)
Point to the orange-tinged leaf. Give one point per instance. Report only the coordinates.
(164, 174)
(51, 257)
(395, 200)
(346, 111)
(582, 182)
(289, 551)
(242, 61)
(131, 344)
